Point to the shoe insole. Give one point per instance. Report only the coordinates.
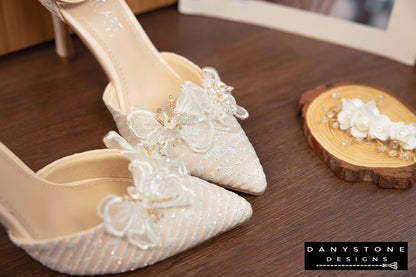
(34, 208)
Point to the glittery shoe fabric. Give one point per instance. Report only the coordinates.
(95, 251)
(230, 161)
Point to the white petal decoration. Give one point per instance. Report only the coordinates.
(358, 134)
(140, 170)
(241, 113)
(228, 103)
(222, 120)
(142, 123)
(114, 141)
(364, 120)
(356, 102)
(345, 118)
(372, 108)
(404, 134)
(145, 238)
(194, 118)
(211, 77)
(158, 184)
(380, 129)
(116, 214)
(199, 136)
(192, 100)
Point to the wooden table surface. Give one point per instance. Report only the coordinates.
(50, 109)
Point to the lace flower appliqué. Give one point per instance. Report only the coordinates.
(222, 103)
(158, 184)
(193, 119)
(364, 121)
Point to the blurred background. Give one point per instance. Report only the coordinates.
(24, 23)
(375, 13)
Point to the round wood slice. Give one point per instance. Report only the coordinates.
(359, 161)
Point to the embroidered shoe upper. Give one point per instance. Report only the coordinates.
(193, 119)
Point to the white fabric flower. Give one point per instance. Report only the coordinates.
(158, 184)
(349, 108)
(380, 129)
(123, 218)
(195, 101)
(358, 116)
(220, 94)
(159, 180)
(365, 120)
(193, 119)
(362, 123)
(405, 134)
(369, 107)
(165, 131)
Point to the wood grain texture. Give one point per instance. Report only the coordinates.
(23, 23)
(49, 110)
(358, 162)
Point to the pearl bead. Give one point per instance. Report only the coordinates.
(363, 123)
(404, 133)
(379, 129)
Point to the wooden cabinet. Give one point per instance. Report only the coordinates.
(24, 23)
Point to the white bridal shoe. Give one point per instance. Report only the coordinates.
(163, 99)
(85, 214)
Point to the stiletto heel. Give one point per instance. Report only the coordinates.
(86, 215)
(164, 99)
(63, 42)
